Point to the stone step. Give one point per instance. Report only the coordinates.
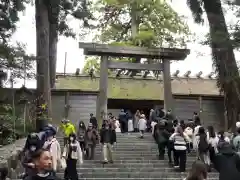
(117, 164)
(151, 161)
(159, 175)
(123, 169)
(123, 142)
(134, 178)
(126, 139)
(138, 152)
(130, 162)
(136, 157)
(119, 158)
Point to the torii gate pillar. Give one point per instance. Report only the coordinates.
(101, 111)
(167, 87)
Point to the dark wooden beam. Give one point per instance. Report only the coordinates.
(134, 66)
(132, 51)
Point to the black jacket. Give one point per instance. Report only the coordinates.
(161, 135)
(107, 132)
(93, 120)
(51, 176)
(122, 117)
(227, 163)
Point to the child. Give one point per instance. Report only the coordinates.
(142, 125)
(117, 124)
(130, 125)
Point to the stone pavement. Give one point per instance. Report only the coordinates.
(9, 157)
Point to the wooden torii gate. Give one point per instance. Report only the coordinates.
(105, 51)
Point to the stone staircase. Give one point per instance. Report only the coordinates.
(134, 158)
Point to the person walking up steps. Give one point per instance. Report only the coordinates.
(161, 136)
(136, 119)
(197, 172)
(213, 142)
(203, 147)
(180, 141)
(123, 121)
(142, 125)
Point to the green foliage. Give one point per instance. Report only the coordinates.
(9, 16)
(12, 57)
(158, 23)
(11, 126)
(61, 10)
(91, 62)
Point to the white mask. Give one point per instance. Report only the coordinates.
(33, 148)
(71, 138)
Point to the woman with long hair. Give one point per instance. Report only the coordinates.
(72, 153)
(135, 121)
(213, 142)
(203, 146)
(197, 172)
(81, 134)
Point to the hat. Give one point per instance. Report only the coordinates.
(238, 124)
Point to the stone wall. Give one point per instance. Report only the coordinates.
(9, 158)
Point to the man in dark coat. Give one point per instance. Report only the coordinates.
(161, 136)
(93, 120)
(107, 139)
(123, 121)
(227, 163)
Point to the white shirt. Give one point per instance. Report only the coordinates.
(142, 124)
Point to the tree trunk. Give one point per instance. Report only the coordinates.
(43, 78)
(224, 59)
(135, 29)
(53, 14)
(53, 39)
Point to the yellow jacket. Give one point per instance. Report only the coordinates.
(68, 129)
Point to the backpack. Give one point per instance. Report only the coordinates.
(203, 145)
(222, 143)
(161, 139)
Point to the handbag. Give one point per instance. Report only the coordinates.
(63, 163)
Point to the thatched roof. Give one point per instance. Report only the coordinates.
(141, 89)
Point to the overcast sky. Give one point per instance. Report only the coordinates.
(75, 59)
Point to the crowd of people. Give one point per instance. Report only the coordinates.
(42, 155)
(214, 149)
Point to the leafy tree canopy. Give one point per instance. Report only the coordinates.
(61, 10)
(12, 57)
(91, 62)
(158, 23)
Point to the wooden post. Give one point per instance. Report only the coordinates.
(103, 86)
(201, 113)
(168, 97)
(66, 107)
